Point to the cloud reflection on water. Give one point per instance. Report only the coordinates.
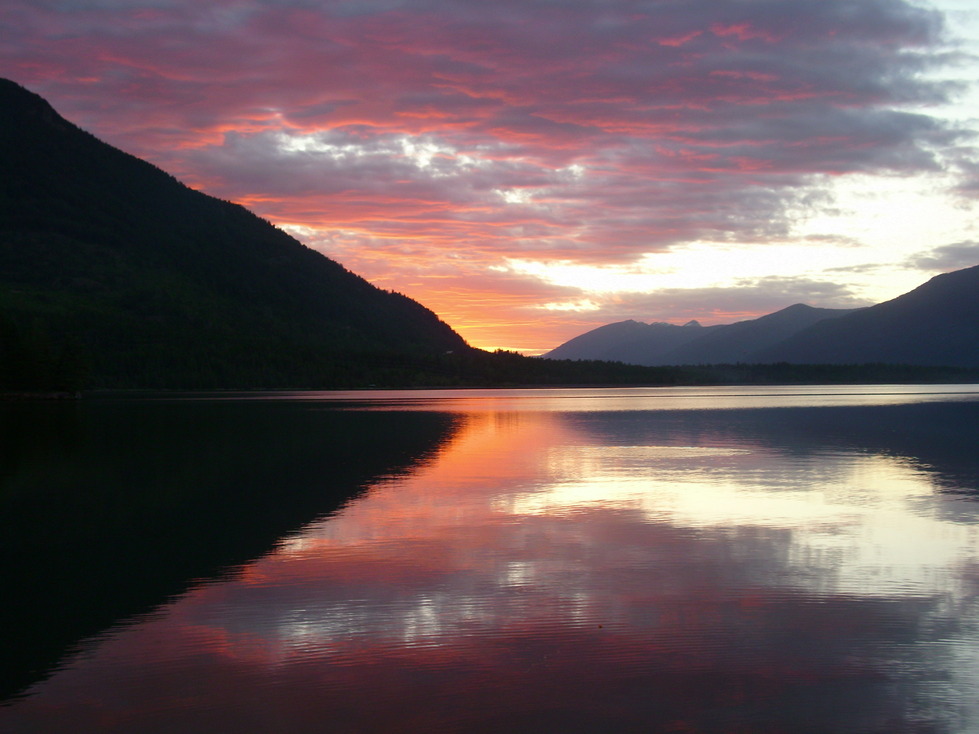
(576, 571)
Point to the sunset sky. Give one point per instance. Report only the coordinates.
(532, 169)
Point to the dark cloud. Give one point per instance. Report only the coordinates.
(969, 166)
(947, 257)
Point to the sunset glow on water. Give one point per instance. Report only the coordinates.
(680, 567)
(532, 170)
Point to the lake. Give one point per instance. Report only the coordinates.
(764, 559)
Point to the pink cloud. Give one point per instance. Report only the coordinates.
(680, 40)
(570, 131)
(743, 32)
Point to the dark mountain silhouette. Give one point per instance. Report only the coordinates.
(667, 344)
(630, 341)
(935, 324)
(155, 517)
(111, 261)
(741, 341)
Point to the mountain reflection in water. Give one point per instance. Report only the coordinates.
(556, 563)
(108, 507)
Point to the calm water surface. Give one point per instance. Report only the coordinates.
(625, 560)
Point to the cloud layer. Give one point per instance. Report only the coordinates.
(424, 143)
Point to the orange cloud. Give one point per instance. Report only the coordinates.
(398, 137)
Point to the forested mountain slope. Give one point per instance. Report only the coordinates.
(937, 323)
(153, 284)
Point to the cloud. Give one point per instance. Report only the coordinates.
(582, 131)
(947, 257)
(968, 164)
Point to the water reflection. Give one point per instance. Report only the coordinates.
(109, 507)
(755, 570)
(648, 398)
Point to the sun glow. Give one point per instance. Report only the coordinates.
(698, 265)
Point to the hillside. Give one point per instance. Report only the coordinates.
(937, 323)
(152, 284)
(630, 341)
(742, 341)
(662, 344)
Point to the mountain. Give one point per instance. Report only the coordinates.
(630, 341)
(149, 283)
(668, 344)
(937, 323)
(741, 341)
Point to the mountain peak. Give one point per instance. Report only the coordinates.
(937, 323)
(18, 103)
(13, 93)
(162, 285)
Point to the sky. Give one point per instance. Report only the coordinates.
(533, 169)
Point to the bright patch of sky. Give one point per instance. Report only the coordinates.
(695, 265)
(875, 226)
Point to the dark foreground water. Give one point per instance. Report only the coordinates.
(629, 560)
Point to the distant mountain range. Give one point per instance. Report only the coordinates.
(935, 324)
(155, 284)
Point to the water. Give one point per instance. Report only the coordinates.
(654, 560)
